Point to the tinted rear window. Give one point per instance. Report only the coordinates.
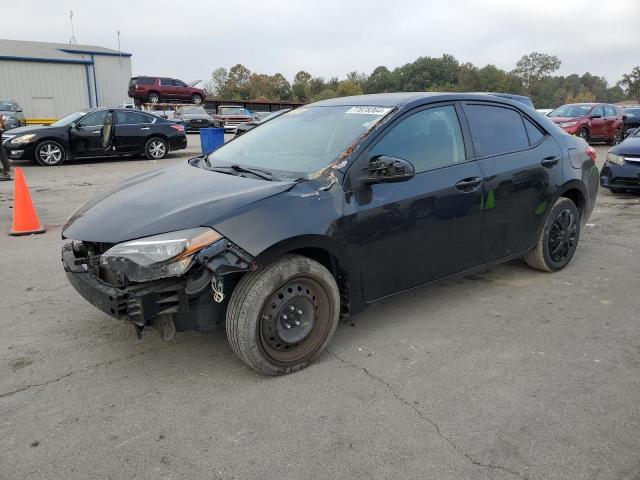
(534, 133)
(496, 130)
(142, 81)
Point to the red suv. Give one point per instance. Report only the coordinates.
(591, 121)
(156, 89)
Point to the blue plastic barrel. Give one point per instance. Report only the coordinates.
(210, 139)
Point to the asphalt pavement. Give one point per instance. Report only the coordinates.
(509, 373)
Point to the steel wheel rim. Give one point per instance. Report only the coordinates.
(287, 346)
(157, 149)
(562, 236)
(196, 100)
(50, 154)
(154, 98)
(583, 134)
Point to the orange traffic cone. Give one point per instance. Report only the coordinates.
(25, 220)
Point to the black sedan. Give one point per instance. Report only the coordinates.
(104, 132)
(245, 127)
(316, 215)
(621, 170)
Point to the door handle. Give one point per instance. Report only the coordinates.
(469, 184)
(549, 162)
(144, 128)
(97, 131)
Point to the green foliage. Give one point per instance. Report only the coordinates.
(631, 83)
(532, 76)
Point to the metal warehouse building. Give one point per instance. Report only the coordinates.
(50, 80)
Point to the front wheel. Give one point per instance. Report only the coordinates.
(559, 238)
(280, 318)
(156, 148)
(50, 153)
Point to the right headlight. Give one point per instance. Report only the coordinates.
(22, 139)
(166, 255)
(613, 158)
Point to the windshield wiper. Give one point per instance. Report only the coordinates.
(235, 169)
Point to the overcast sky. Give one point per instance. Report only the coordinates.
(188, 39)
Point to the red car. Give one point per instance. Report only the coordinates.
(156, 89)
(591, 121)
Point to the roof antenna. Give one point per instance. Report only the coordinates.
(73, 40)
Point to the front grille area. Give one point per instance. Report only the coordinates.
(626, 181)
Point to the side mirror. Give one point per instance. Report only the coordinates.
(624, 117)
(597, 115)
(386, 169)
(72, 126)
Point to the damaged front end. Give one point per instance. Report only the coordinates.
(134, 282)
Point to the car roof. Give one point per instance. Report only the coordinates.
(410, 98)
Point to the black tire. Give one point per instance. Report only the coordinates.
(584, 134)
(258, 329)
(156, 148)
(616, 139)
(50, 153)
(154, 97)
(196, 99)
(555, 249)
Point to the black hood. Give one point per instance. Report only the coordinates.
(175, 198)
(630, 146)
(29, 129)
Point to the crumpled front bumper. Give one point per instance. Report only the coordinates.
(142, 303)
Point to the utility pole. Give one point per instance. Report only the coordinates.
(73, 40)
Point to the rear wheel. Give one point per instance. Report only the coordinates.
(584, 134)
(50, 153)
(156, 148)
(559, 238)
(617, 138)
(196, 99)
(153, 97)
(280, 318)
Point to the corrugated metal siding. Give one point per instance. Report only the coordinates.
(113, 74)
(44, 88)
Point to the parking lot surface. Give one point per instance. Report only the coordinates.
(509, 373)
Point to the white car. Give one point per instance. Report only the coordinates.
(544, 111)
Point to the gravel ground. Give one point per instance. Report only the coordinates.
(510, 373)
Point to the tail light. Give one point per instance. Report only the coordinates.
(180, 129)
(591, 152)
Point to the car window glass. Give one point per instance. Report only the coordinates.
(179, 83)
(609, 111)
(93, 119)
(132, 118)
(166, 81)
(146, 81)
(598, 111)
(496, 130)
(428, 139)
(533, 132)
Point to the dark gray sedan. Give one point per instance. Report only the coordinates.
(194, 118)
(12, 113)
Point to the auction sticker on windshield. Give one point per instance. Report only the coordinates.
(369, 110)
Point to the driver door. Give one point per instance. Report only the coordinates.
(425, 228)
(85, 137)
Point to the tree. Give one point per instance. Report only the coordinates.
(300, 86)
(347, 88)
(533, 67)
(218, 82)
(279, 88)
(631, 83)
(238, 82)
(381, 80)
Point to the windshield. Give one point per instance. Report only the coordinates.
(302, 141)
(68, 119)
(571, 111)
(194, 110)
(6, 106)
(232, 111)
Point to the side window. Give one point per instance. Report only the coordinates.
(166, 81)
(533, 132)
(598, 111)
(609, 111)
(145, 81)
(429, 139)
(93, 119)
(496, 130)
(179, 83)
(132, 118)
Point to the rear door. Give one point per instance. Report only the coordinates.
(86, 137)
(522, 169)
(181, 89)
(412, 232)
(132, 129)
(167, 89)
(610, 121)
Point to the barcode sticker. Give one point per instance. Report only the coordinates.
(369, 110)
